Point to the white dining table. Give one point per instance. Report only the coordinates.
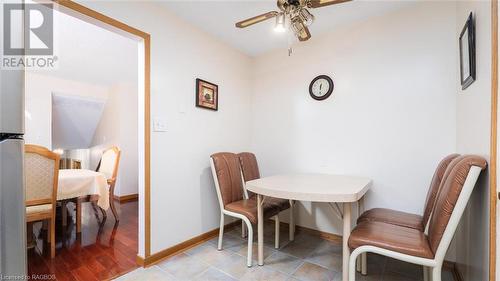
(75, 183)
(332, 189)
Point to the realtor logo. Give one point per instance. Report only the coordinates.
(38, 30)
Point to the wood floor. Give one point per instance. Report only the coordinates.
(100, 252)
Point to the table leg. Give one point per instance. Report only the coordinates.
(29, 233)
(361, 209)
(64, 212)
(291, 225)
(78, 216)
(260, 230)
(345, 237)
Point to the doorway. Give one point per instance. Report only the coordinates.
(87, 151)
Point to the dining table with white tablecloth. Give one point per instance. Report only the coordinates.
(76, 183)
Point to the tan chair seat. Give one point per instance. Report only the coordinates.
(248, 208)
(393, 217)
(283, 204)
(391, 237)
(38, 209)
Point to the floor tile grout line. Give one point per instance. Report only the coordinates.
(295, 269)
(301, 264)
(165, 271)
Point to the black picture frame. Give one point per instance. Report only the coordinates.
(328, 94)
(212, 100)
(467, 42)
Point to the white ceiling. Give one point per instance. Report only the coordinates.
(91, 54)
(218, 18)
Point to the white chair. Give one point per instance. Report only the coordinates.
(413, 245)
(230, 193)
(109, 167)
(250, 171)
(415, 221)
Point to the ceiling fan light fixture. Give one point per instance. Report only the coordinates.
(280, 23)
(297, 25)
(306, 16)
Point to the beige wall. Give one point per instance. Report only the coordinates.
(473, 136)
(396, 97)
(391, 116)
(183, 199)
(118, 127)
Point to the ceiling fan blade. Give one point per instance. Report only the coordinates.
(304, 34)
(323, 3)
(256, 19)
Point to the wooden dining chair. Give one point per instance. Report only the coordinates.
(108, 165)
(42, 171)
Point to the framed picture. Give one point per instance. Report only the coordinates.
(207, 95)
(468, 53)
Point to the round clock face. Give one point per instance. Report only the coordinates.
(321, 87)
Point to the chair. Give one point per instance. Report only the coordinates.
(250, 171)
(42, 172)
(406, 219)
(230, 193)
(108, 165)
(414, 245)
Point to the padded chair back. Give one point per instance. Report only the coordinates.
(42, 171)
(227, 174)
(438, 177)
(249, 168)
(109, 163)
(459, 180)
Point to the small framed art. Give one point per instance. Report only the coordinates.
(468, 53)
(207, 95)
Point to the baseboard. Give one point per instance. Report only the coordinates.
(452, 266)
(139, 260)
(181, 247)
(126, 198)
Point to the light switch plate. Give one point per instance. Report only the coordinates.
(159, 125)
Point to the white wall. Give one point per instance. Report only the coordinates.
(473, 136)
(394, 114)
(391, 116)
(182, 190)
(38, 107)
(118, 126)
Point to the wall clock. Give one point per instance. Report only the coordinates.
(321, 87)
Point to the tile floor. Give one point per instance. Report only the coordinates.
(307, 258)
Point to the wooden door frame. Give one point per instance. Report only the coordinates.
(96, 18)
(493, 139)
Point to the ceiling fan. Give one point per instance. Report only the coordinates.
(297, 14)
